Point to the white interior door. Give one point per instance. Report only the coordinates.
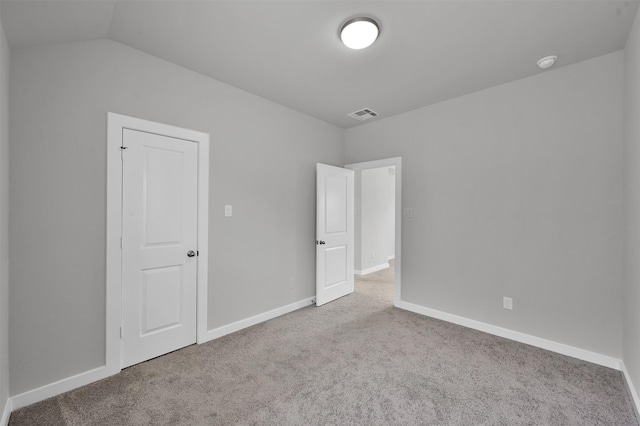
(334, 233)
(159, 245)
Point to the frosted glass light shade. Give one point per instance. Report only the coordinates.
(547, 62)
(359, 33)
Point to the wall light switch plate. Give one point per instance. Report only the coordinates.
(507, 303)
(228, 210)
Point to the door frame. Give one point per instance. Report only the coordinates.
(116, 123)
(388, 162)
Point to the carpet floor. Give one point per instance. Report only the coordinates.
(355, 361)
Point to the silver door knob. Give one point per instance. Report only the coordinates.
(191, 253)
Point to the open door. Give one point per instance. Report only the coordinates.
(334, 233)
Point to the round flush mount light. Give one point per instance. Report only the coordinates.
(547, 62)
(358, 33)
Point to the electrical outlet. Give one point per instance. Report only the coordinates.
(228, 210)
(507, 303)
(408, 212)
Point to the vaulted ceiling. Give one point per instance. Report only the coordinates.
(290, 52)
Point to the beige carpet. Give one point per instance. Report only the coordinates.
(355, 361)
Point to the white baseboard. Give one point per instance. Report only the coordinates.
(372, 269)
(257, 319)
(70, 383)
(560, 348)
(631, 387)
(8, 408)
(82, 379)
(56, 388)
(392, 257)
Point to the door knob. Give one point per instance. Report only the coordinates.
(191, 253)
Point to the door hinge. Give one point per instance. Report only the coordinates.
(120, 243)
(121, 332)
(197, 252)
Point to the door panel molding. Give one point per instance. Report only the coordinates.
(116, 124)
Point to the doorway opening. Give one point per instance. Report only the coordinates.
(378, 221)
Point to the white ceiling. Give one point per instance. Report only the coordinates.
(289, 51)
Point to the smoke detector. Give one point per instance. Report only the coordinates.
(547, 62)
(363, 114)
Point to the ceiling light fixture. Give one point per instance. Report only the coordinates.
(547, 62)
(358, 33)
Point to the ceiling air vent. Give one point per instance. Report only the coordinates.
(363, 114)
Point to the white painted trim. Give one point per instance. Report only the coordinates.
(632, 389)
(392, 257)
(560, 348)
(203, 238)
(8, 408)
(82, 379)
(257, 319)
(372, 269)
(388, 162)
(116, 123)
(56, 388)
(114, 233)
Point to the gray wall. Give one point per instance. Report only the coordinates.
(263, 159)
(631, 295)
(4, 220)
(516, 191)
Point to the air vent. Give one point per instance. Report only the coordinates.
(363, 114)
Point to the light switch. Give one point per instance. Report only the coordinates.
(228, 210)
(507, 302)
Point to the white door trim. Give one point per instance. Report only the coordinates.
(388, 162)
(116, 124)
